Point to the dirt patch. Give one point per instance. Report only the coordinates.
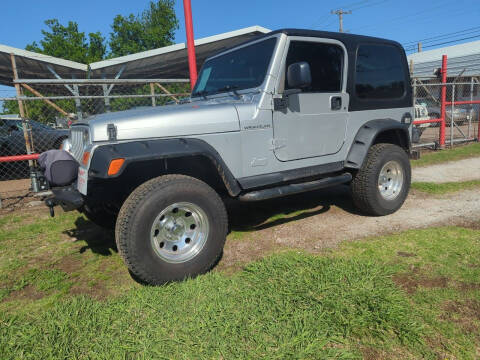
(439, 346)
(406, 254)
(474, 225)
(369, 353)
(325, 218)
(464, 286)
(463, 313)
(69, 264)
(411, 282)
(97, 291)
(29, 292)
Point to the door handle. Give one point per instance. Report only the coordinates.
(335, 102)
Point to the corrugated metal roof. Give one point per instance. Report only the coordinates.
(31, 65)
(462, 57)
(171, 61)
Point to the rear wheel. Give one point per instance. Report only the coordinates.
(381, 186)
(171, 228)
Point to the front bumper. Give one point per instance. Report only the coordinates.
(69, 198)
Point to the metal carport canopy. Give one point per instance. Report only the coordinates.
(462, 59)
(170, 62)
(31, 65)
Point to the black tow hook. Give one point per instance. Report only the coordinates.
(51, 206)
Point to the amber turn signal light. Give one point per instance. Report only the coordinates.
(85, 158)
(115, 166)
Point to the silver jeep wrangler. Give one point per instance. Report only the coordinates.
(289, 112)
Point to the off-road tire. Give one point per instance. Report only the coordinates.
(365, 192)
(138, 213)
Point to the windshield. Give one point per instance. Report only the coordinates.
(244, 68)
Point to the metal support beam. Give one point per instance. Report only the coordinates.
(21, 109)
(164, 89)
(69, 88)
(25, 126)
(152, 91)
(107, 89)
(78, 103)
(106, 98)
(116, 78)
(192, 61)
(52, 104)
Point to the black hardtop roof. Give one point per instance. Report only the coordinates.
(346, 38)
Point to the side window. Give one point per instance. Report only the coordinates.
(380, 73)
(326, 64)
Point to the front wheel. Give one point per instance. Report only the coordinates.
(171, 228)
(381, 186)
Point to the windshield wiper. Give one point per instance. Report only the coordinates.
(232, 88)
(202, 93)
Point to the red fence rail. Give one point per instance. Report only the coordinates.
(15, 158)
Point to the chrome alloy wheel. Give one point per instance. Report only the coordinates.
(390, 180)
(179, 232)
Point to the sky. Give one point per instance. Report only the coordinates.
(401, 20)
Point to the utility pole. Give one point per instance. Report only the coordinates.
(340, 14)
(419, 47)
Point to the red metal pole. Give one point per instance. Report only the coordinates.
(192, 61)
(478, 127)
(18, 158)
(443, 101)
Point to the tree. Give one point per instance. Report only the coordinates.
(152, 29)
(68, 43)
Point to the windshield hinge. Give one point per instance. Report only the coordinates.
(112, 132)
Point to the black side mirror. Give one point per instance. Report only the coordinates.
(299, 75)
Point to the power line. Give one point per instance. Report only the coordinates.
(448, 42)
(444, 36)
(369, 5)
(447, 39)
(408, 16)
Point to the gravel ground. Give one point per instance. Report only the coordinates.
(328, 217)
(331, 218)
(461, 170)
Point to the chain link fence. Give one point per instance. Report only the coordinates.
(461, 112)
(50, 107)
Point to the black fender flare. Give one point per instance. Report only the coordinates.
(136, 151)
(366, 136)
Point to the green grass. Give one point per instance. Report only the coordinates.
(441, 156)
(407, 296)
(445, 188)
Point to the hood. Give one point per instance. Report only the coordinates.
(166, 121)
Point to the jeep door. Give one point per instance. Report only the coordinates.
(313, 122)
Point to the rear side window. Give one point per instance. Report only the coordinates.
(379, 72)
(326, 64)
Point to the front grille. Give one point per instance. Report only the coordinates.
(77, 136)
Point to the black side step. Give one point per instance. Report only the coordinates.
(291, 189)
